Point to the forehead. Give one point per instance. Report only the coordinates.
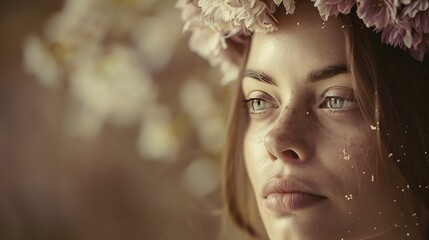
(303, 42)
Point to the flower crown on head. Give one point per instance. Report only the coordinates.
(215, 23)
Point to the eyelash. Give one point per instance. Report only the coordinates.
(343, 111)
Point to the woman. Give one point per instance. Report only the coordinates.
(333, 138)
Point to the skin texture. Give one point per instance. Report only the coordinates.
(294, 134)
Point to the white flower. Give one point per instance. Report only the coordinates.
(197, 100)
(157, 141)
(39, 62)
(114, 86)
(201, 177)
(210, 134)
(155, 43)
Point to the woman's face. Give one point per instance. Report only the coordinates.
(307, 148)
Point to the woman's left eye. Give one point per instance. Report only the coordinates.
(338, 103)
(338, 100)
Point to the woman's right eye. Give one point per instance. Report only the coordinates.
(258, 105)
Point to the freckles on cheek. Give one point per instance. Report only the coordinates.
(353, 148)
(353, 154)
(354, 158)
(346, 153)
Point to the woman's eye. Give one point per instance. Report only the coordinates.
(338, 103)
(258, 105)
(338, 99)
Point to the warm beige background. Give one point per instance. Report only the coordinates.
(109, 127)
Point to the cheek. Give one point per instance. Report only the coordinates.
(359, 177)
(255, 154)
(347, 164)
(254, 144)
(354, 156)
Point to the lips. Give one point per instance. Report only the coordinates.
(287, 195)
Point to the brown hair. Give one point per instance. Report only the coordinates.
(391, 89)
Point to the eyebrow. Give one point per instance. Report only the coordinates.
(328, 72)
(260, 76)
(317, 75)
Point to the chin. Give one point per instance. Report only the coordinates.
(304, 224)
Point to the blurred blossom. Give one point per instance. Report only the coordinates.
(154, 41)
(78, 30)
(210, 133)
(125, 65)
(201, 177)
(157, 141)
(197, 100)
(94, 43)
(114, 86)
(147, 4)
(119, 63)
(39, 62)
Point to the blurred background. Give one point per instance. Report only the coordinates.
(110, 128)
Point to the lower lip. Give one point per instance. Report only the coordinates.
(288, 202)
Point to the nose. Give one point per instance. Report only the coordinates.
(291, 137)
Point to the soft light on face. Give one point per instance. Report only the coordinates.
(307, 148)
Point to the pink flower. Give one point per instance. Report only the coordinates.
(217, 15)
(288, 4)
(417, 13)
(343, 6)
(191, 14)
(418, 52)
(233, 16)
(207, 43)
(253, 16)
(378, 13)
(213, 47)
(421, 22)
(323, 10)
(415, 7)
(397, 34)
(333, 7)
(265, 19)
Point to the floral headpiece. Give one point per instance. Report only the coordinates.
(216, 23)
